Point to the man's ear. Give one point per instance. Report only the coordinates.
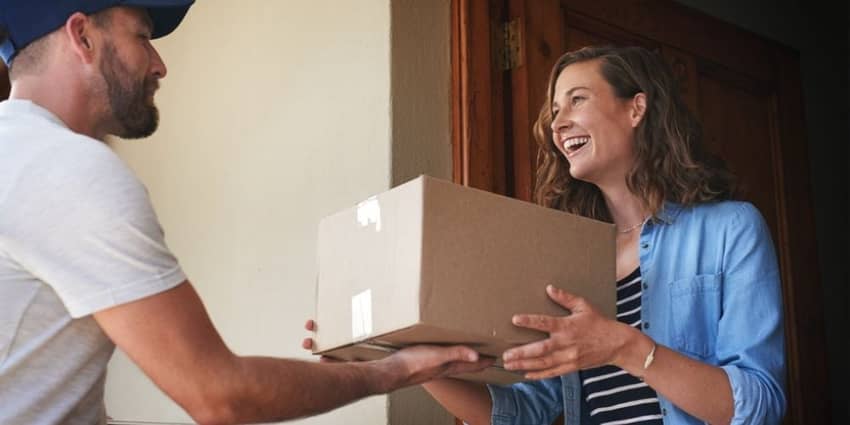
(79, 31)
(638, 108)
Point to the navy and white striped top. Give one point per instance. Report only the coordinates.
(610, 394)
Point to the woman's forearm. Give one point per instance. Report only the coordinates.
(468, 401)
(695, 387)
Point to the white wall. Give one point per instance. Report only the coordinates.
(273, 114)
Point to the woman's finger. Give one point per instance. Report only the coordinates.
(559, 370)
(540, 322)
(543, 362)
(532, 350)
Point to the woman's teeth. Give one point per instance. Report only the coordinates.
(575, 143)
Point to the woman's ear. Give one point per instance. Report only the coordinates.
(638, 108)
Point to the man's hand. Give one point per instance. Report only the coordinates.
(422, 363)
(417, 364)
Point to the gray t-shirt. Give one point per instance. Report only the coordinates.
(77, 235)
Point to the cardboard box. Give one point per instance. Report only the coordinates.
(434, 262)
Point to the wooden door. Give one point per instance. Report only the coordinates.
(745, 90)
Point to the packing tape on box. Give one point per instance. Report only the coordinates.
(361, 314)
(369, 212)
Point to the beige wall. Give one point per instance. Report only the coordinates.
(421, 89)
(274, 114)
(421, 136)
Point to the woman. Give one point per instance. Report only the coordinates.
(698, 335)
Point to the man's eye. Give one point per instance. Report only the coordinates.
(555, 112)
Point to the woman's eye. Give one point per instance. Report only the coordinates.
(575, 100)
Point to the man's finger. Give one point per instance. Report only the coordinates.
(307, 344)
(460, 353)
(433, 356)
(326, 359)
(457, 368)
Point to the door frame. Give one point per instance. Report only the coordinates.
(491, 132)
(5, 85)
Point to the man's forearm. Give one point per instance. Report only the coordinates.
(259, 389)
(171, 338)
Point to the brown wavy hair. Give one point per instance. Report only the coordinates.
(670, 162)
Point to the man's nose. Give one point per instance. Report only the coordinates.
(158, 68)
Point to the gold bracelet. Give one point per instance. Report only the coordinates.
(650, 357)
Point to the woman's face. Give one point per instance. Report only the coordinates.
(592, 127)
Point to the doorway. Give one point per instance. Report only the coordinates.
(746, 91)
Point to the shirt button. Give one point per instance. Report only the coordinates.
(646, 325)
(664, 411)
(644, 245)
(645, 285)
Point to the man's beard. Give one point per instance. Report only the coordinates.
(128, 99)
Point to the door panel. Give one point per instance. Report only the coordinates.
(737, 127)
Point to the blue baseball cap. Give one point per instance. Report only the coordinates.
(24, 21)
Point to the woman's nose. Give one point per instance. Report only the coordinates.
(560, 122)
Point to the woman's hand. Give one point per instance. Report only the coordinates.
(582, 340)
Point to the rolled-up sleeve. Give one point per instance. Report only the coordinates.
(527, 403)
(750, 339)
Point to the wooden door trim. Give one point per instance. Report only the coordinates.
(542, 45)
(478, 125)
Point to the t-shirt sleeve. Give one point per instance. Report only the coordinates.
(83, 224)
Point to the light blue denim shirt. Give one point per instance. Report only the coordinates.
(712, 293)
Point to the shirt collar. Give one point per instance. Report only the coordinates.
(669, 211)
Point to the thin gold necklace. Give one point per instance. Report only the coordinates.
(634, 227)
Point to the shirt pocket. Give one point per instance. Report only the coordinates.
(696, 309)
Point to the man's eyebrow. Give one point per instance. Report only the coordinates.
(147, 22)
